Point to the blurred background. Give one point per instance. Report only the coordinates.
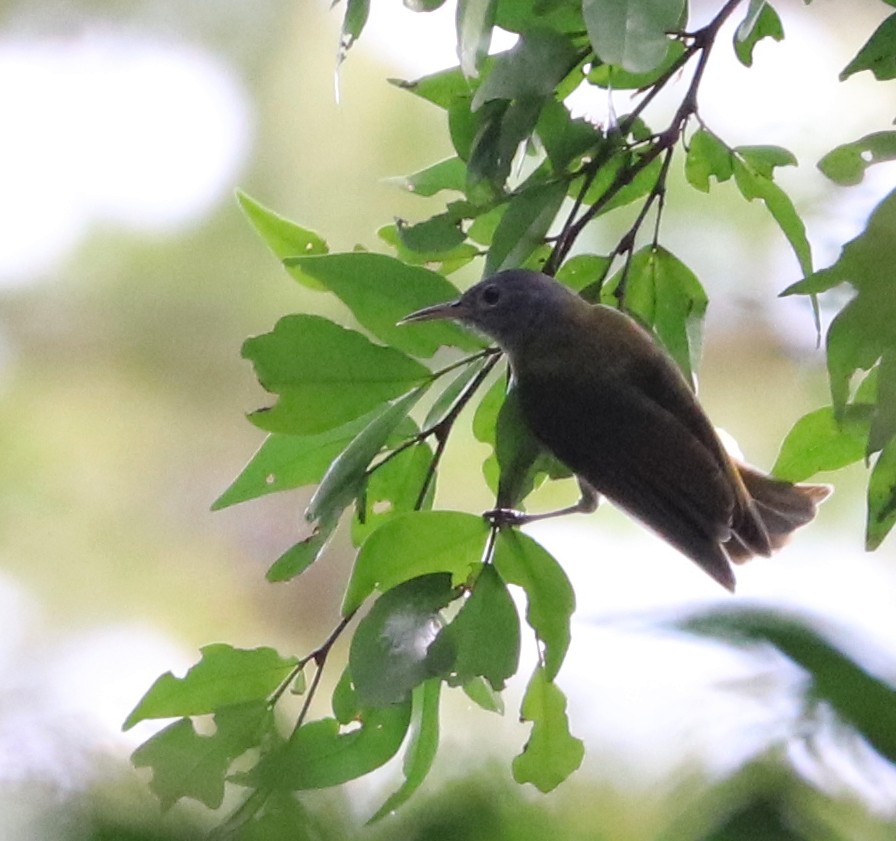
(128, 281)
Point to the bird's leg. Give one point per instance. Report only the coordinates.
(588, 502)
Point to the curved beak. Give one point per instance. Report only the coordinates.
(446, 310)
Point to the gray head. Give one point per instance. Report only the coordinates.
(508, 306)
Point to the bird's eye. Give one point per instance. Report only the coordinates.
(491, 295)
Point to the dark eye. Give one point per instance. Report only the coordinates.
(491, 295)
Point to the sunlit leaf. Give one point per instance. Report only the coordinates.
(846, 164)
(345, 476)
(531, 69)
(481, 693)
(762, 21)
(819, 441)
(707, 157)
(284, 462)
(585, 273)
(389, 654)
(295, 560)
(325, 375)
(380, 291)
(549, 594)
(565, 139)
(422, 746)
(552, 753)
(436, 235)
(475, 19)
(614, 77)
(524, 225)
(557, 15)
(750, 175)
(665, 294)
(223, 677)
(878, 54)
(632, 34)
(393, 488)
(356, 13)
(483, 640)
(414, 544)
(284, 238)
(322, 753)
(882, 503)
(449, 174)
(446, 400)
(185, 764)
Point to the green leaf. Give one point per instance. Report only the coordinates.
(321, 753)
(480, 692)
(551, 600)
(284, 238)
(442, 89)
(423, 5)
(883, 423)
(325, 375)
(762, 21)
(414, 544)
(380, 291)
(295, 560)
(846, 164)
(345, 477)
(438, 235)
(552, 753)
(865, 329)
(861, 699)
(524, 225)
(449, 174)
(613, 77)
(584, 271)
(389, 654)
(223, 677)
(631, 189)
(632, 33)
(284, 462)
(475, 19)
(877, 55)
(819, 441)
(665, 294)
(185, 764)
(449, 396)
(707, 157)
(882, 502)
(443, 262)
(483, 640)
(356, 13)
(345, 704)
(530, 70)
(565, 139)
(393, 488)
(502, 127)
(422, 746)
(558, 15)
(749, 174)
(764, 159)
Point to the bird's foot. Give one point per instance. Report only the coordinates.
(499, 517)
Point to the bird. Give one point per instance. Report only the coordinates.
(603, 396)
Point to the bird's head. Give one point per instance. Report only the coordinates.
(508, 306)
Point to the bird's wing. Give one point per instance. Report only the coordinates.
(642, 456)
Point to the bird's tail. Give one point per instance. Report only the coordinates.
(775, 510)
